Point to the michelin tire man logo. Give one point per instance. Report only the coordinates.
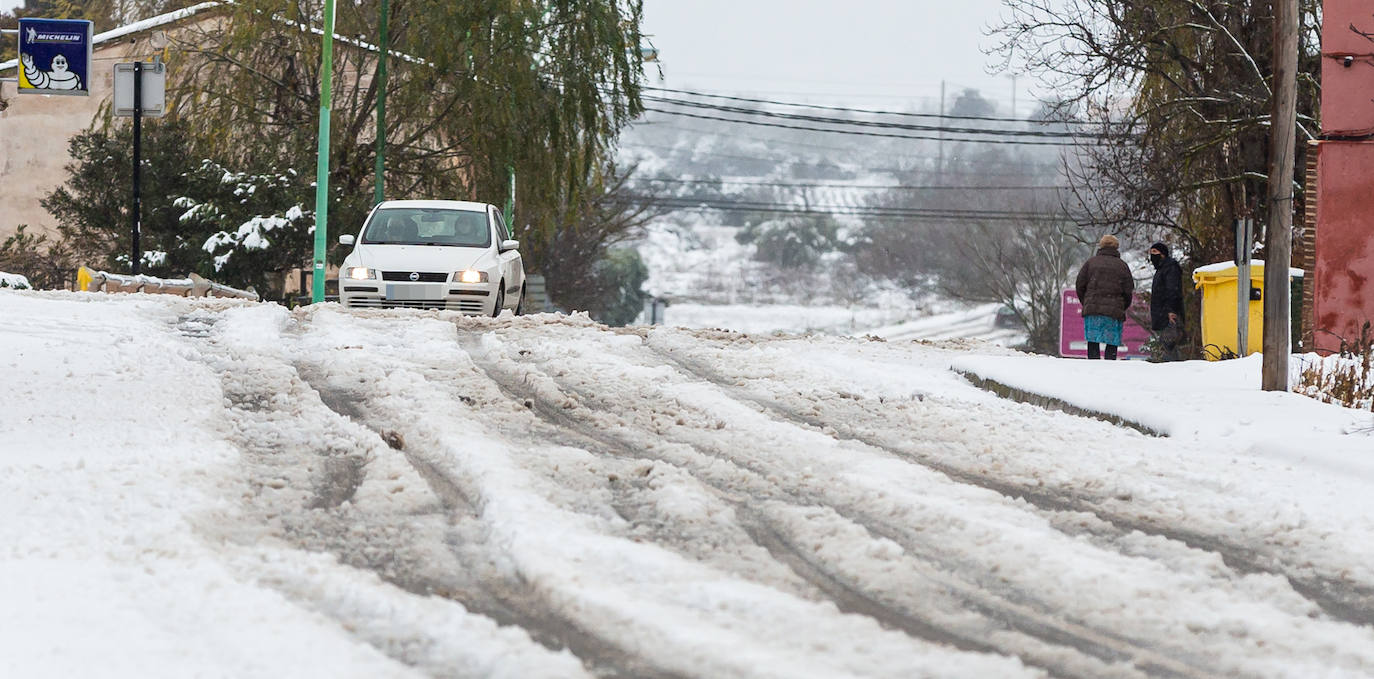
(58, 78)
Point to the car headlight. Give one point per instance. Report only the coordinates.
(360, 273)
(470, 276)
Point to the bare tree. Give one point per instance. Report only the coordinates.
(613, 215)
(1180, 89)
(1010, 242)
(1023, 265)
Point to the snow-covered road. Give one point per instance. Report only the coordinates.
(214, 488)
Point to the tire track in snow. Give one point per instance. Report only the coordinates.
(1102, 652)
(419, 380)
(509, 603)
(1340, 600)
(331, 459)
(603, 441)
(307, 505)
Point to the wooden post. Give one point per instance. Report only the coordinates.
(1278, 239)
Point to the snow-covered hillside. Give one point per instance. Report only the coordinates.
(217, 488)
(710, 280)
(719, 183)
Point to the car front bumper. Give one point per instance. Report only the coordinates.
(469, 298)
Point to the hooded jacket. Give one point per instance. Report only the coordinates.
(1166, 290)
(1104, 285)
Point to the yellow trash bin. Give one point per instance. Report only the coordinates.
(1218, 285)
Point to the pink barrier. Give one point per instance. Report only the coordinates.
(1072, 344)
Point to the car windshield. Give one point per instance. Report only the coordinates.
(428, 226)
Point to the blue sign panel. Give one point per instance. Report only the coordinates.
(54, 56)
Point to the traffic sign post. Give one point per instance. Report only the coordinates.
(1244, 239)
(138, 86)
(153, 85)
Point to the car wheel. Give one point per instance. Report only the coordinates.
(520, 303)
(500, 300)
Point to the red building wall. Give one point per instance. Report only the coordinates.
(1343, 285)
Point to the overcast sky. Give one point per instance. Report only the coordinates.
(892, 53)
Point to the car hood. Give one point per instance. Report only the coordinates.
(419, 257)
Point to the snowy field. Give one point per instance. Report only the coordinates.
(214, 488)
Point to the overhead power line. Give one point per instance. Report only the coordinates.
(771, 159)
(845, 109)
(714, 131)
(887, 187)
(830, 120)
(860, 133)
(869, 211)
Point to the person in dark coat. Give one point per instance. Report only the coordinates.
(1166, 301)
(1105, 288)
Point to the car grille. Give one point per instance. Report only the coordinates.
(467, 306)
(425, 277)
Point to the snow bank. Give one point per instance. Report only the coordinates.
(1216, 403)
(108, 461)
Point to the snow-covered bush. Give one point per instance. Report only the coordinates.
(619, 278)
(256, 225)
(792, 242)
(14, 281)
(42, 263)
(1346, 378)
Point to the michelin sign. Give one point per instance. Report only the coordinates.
(54, 56)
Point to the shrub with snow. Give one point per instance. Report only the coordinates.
(14, 281)
(1346, 378)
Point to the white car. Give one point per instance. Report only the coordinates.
(433, 254)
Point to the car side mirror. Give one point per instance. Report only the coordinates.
(508, 245)
(346, 239)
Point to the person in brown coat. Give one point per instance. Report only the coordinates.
(1105, 288)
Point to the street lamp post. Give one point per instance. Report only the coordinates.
(322, 162)
(382, 48)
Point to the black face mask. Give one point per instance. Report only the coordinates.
(1156, 260)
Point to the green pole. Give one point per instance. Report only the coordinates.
(322, 164)
(381, 105)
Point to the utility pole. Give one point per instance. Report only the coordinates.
(1013, 95)
(322, 161)
(940, 170)
(382, 48)
(1278, 240)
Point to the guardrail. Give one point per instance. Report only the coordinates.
(89, 280)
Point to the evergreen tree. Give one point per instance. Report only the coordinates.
(792, 242)
(93, 207)
(619, 283)
(241, 228)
